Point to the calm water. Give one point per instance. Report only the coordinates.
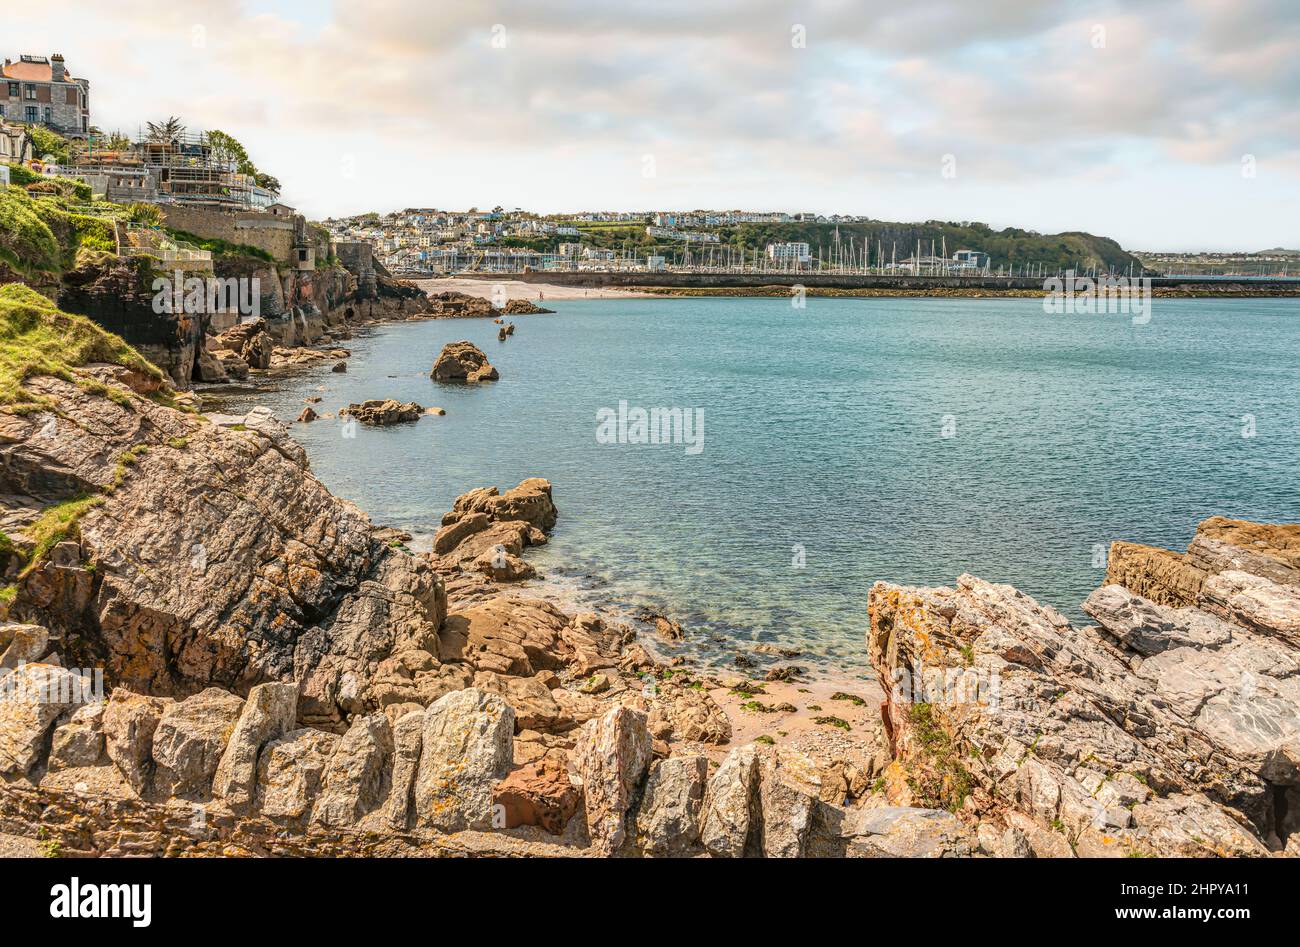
(823, 433)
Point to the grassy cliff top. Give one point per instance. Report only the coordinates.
(41, 234)
(37, 338)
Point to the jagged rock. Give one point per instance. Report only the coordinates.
(130, 721)
(1052, 719)
(523, 307)
(269, 713)
(451, 304)
(501, 566)
(1157, 574)
(668, 820)
(209, 368)
(23, 644)
(383, 412)
(339, 368)
(732, 809)
(250, 341)
(190, 740)
(308, 415)
(688, 714)
(408, 740)
(466, 748)
(787, 810)
(454, 533)
(1255, 602)
(32, 698)
(291, 771)
(613, 754)
(530, 502)
(508, 636)
(80, 741)
(463, 361)
(898, 832)
(539, 793)
(535, 708)
(356, 775)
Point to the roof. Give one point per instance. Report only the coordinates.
(32, 72)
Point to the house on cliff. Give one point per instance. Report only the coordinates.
(37, 90)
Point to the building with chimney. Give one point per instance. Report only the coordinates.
(40, 91)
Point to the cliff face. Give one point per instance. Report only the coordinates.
(208, 555)
(1170, 727)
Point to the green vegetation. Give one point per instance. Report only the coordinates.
(833, 722)
(46, 142)
(49, 847)
(229, 147)
(854, 699)
(41, 235)
(36, 338)
(939, 780)
(8, 594)
(765, 740)
(219, 248)
(55, 524)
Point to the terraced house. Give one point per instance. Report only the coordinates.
(40, 91)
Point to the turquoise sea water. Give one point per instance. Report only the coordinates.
(824, 443)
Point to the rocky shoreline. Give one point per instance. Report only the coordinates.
(283, 677)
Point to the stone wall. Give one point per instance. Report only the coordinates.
(266, 232)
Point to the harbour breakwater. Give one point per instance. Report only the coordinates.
(742, 284)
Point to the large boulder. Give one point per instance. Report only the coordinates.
(269, 712)
(732, 809)
(355, 778)
(668, 820)
(462, 361)
(900, 832)
(467, 741)
(130, 722)
(189, 742)
(291, 771)
(539, 793)
(613, 755)
(32, 698)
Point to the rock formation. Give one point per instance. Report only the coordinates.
(523, 307)
(1170, 727)
(462, 361)
(383, 412)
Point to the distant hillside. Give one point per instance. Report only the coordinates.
(1009, 247)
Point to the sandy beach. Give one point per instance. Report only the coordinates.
(518, 289)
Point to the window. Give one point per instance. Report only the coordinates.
(49, 115)
(2, 111)
(29, 93)
(13, 90)
(31, 114)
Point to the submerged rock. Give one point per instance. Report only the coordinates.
(382, 412)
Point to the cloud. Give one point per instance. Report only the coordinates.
(570, 92)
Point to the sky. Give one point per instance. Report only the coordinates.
(1165, 124)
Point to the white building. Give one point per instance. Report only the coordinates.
(789, 252)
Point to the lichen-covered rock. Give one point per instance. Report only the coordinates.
(130, 721)
(787, 809)
(291, 770)
(357, 776)
(408, 741)
(269, 713)
(466, 748)
(668, 819)
(732, 809)
(899, 832)
(190, 740)
(612, 754)
(508, 636)
(32, 698)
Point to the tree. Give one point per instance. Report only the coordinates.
(227, 147)
(166, 132)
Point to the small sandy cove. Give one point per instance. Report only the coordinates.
(518, 289)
